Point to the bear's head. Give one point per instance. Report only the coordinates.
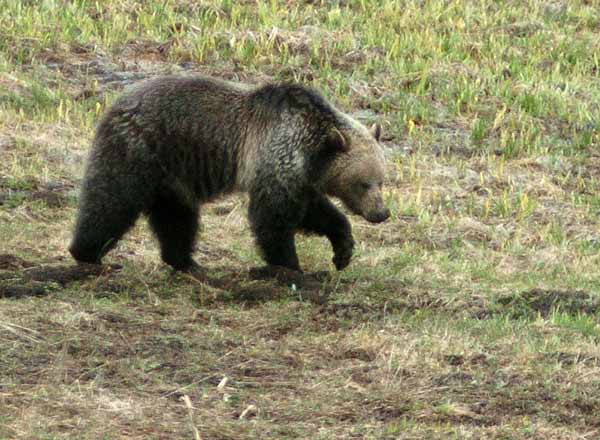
(356, 173)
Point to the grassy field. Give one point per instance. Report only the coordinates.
(473, 313)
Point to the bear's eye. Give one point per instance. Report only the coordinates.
(360, 187)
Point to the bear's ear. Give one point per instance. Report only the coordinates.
(376, 131)
(336, 141)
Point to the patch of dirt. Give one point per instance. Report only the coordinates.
(565, 358)
(228, 283)
(9, 261)
(287, 276)
(89, 74)
(109, 286)
(409, 300)
(53, 194)
(268, 283)
(310, 286)
(147, 49)
(20, 278)
(256, 292)
(388, 410)
(454, 359)
(65, 274)
(545, 301)
(105, 75)
(22, 291)
(32, 279)
(16, 198)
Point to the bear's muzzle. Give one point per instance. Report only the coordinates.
(378, 216)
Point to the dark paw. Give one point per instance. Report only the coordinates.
(343, 254)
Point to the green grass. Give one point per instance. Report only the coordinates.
(472, 313)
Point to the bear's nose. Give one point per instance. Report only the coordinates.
(379, 216)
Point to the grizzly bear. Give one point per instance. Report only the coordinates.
(172, 143)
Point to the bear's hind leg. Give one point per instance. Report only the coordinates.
(108, 209)
(175, 225)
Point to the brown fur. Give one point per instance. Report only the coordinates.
(172, 143)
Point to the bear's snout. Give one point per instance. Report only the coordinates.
(378, 216)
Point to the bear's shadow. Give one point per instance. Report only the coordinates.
(20, 278)
(266, 283)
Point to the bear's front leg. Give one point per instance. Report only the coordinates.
(323, 218)
(342, 252)
(278, 248)
(273, 217)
